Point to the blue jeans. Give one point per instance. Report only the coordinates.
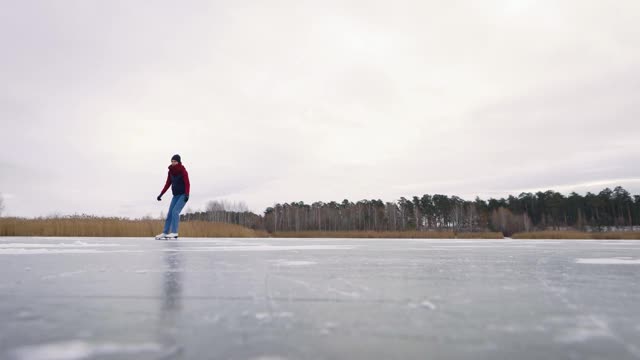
(173, 217)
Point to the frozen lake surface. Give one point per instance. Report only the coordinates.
(268, 299)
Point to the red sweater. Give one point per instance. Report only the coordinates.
(178, 178)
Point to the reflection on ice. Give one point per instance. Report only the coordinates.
(172, 282)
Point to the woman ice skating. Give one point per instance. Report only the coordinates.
(178, 179)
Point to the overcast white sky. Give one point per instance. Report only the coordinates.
(278, 101)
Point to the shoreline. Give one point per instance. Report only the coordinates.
(113, 227)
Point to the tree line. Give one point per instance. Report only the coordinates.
(607, 209)
(226, 212)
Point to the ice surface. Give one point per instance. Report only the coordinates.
(198, 298)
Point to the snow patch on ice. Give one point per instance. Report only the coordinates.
(267, 316)
(47, 251)
(509, 328)
(331, 324)
(609, 261)
(54, 246)
(351, 294)
(60, 251)
(26, 315)
(516, 328)
(587, 328)
(77, 247)
(220, 242)
(78, 350)
(293, 263)
(264, 248)
(329, 327)
(428, 304)
(63, 274)
(582, 334)
(425, 304)
(211, 318)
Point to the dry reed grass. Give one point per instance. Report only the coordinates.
(115, 227)
(579, 235)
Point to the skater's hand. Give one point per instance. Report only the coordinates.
(159, 197)
(186, 198)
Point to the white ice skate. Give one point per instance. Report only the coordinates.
(162, 236)
(172, 236)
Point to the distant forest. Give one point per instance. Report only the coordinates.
(549, 210)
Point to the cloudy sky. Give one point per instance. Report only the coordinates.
(274, 101)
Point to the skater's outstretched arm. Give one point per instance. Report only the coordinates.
(166, 186)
